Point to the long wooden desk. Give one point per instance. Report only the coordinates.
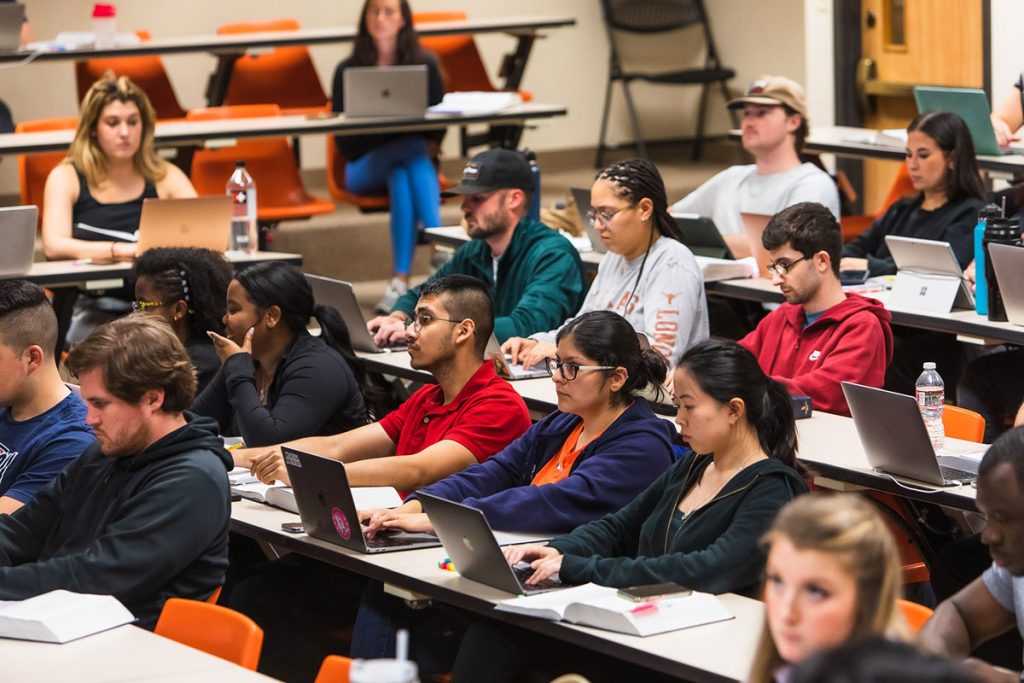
(127, 653)
(182, 133)
(713, 652)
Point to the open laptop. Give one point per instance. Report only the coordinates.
(504, 367)
(470, 542)
(1008, 265)
(929, 257)
(896, 441)
(971, 104)
(340, 296)
(702, 236)
(12, 16)
(581, 196)
(188, 222)
(18, 236)
(328, 510)
(385, 91)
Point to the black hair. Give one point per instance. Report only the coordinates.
(465, 297)
(1007, 449)
(636, 179)
(364, 52)
(951, 135)
(877, 659)
(725, 370)
(610, 340)
(809, 228)
(199, 277)
(26, 317)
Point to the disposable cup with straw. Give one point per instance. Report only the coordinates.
(397, 670)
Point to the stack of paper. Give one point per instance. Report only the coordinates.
(475, 102)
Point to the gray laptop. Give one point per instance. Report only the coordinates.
(504, 367)
(1008, 264)
(581, 196)
(340, 296)
(12, 15)
(18, 236)
(385, 91)
(896, 441)
(470, 542)
(929, 257)
(328, 510)
(970, 104)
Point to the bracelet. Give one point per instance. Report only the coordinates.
(112, 254)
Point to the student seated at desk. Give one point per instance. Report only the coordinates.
(1008, 115)
(821, 336)
(597, 452)
(398, 164)
(187, 288)
(535, 274)
(647, 275)
(945, 206)
(42, 421)
(277, 381)
(698, 524)
(143, 513)
(833, 576)
(774, 128)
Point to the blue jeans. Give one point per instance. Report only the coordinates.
(403, 168)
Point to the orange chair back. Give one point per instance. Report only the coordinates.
(914, 614)
(280, 192)
(335, 669)
(33, 169)
(960, 423)
(147, 71)
(855, 225)
(461, 65)
(216, 630)
(336, 183)
(284, 75)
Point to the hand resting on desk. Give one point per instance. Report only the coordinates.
(850, 263)
(527, 352)
(266, 464)
(545, 560)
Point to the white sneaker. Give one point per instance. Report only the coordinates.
(396, 288)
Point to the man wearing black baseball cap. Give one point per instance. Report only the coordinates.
(535, 274)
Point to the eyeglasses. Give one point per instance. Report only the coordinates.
(140, 305)
(421, 320)
(604, 217)
(569, 370)
(782, 268)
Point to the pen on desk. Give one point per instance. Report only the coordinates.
(81, 262)
(239, 444)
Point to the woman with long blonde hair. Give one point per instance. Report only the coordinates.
(833, 576)
(110, 169)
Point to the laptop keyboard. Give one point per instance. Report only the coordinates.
(953, 474)
(524, 571)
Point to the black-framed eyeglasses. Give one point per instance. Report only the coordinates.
(420, 320)
(604, 217)
(569, 370)
(140, 305)
(782, 268)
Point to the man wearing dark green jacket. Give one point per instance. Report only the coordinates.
(535, 274)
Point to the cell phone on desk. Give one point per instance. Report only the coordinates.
(852, 277)
(669, 589)
(293, 527)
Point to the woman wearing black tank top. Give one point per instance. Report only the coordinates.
(110, 168)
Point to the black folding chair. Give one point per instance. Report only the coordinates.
(648, 17)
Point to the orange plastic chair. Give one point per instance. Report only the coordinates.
(914, 614)
(961, 423)
(855, 225)
(280, 192)
(284, 76)
(335, 669)
(336, 163)
(216, 630)
(33, 169)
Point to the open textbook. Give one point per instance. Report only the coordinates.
(279, 495)
(602, 607)
(61, 616)
(714, 269)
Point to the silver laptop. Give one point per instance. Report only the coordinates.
(340, 296)
(1008, 264)
(504, 367)
(470, 542)
(328, 510)
(581, 196)
(385, 91)
(896, 441)
(12, 15)
(18, 236)
(930, 257)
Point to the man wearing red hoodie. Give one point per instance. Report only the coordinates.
(821, 336)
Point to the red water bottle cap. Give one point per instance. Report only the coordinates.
(102, 11)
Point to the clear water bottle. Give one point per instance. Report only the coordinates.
(931, 395)
(242, 190)
(104, 25)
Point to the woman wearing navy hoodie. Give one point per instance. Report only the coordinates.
(601, 448)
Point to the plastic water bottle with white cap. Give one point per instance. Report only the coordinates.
(242, 190)
(931, 396)
(397, 670)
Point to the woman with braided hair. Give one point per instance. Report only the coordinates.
(187, 287)
(648, 276)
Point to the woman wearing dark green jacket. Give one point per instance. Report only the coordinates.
(697, 525)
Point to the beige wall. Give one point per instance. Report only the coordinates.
(568, 66)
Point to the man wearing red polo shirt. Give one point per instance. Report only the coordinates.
(469, 415)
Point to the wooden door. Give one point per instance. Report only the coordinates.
(912, 42)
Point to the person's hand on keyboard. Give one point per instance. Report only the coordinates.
(545, 560)
(384, 520)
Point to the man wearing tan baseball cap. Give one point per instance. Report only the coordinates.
(774, 128)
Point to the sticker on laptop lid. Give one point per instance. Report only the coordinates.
(292, 459)
(341, 524)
